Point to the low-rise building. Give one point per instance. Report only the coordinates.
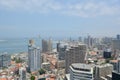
(46, 66)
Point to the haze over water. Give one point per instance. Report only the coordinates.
(15, 45)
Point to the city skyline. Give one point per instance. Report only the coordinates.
(54, 18)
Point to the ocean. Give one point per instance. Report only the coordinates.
(16, 45)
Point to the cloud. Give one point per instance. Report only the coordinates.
(82, 8)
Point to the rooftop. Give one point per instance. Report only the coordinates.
(104, 65)
(82, 66)
(113, 61)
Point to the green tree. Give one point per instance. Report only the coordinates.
(42, 71)
(19, 60)
(32, 77)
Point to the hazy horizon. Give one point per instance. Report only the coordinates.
(54, 18)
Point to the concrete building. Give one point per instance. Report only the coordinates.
(118, 67)
(102, 71)
(34, 57)
(115, 64)
(47, 45)
(79, 71)
(76, 53)
(116, 44)
(67, 77)
(89, 41)
(61, 48)
(61, 64)
(22, 74)
(5, 60)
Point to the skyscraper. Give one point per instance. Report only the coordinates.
(116, 43)
(22, 74)
(75, 54)
(89, 41)
(61, 48)
(118, 37)
(46, 45)
(4, 60)
(34, 62)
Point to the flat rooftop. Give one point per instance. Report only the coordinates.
(82, 66)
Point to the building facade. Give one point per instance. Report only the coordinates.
(22, 74)
(61, 48)
(46, 45)
(5, 60)
(116, 44)
(107, 54)
(79, 71)
(102, 71)
(34, 57)
(115, 76)
(75, 54)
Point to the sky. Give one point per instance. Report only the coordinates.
(59, 18)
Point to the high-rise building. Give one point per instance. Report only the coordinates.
(89, 41)
(22, 74)
(107, 54)
(116, 44)
(4, 60)
(61, 48)
(118, 37)
(58, 44)
(102, 71)
(115, 76)
(75, 54)
(80, 39)
(79, 71)
(116, 65)
(46, 45)
(34, 62)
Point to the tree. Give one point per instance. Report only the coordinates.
(19, 60)
(42, 71)
(32, 77)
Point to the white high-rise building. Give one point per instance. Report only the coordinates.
(34, 62)
(81, 71)
(22, 74)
